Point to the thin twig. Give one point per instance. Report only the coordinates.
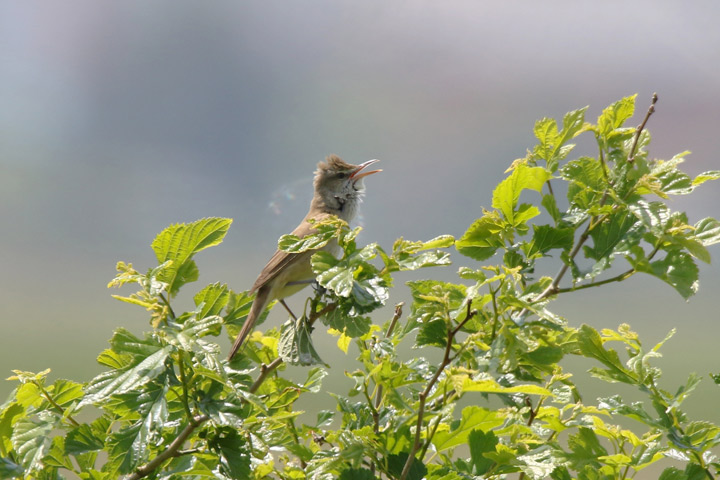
(265, 370)
(641, 127)
(52, 401)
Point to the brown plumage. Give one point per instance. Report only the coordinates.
(338, 190)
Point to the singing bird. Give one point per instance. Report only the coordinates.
(339, 190)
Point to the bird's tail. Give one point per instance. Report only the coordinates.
(262, 298)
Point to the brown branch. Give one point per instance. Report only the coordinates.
(171, 450)
(641, 127)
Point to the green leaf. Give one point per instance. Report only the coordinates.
(296, 346)
(396, 462)
(546, 238)
(550, 204)
(64, 392)
(82, 439)
(293, 244)
(677, 269)
(128, 449)
(587, 181)
(707, 231)
(116, 382)
(483, 238)
(351, 325)
(213, 298)
(432, 333)
(332, 274)
(357, 474)
(7, 419)
(507, 193)
(585, 447)
(615, 115)
(489, 385)
(609, 234)
(591, 346)
(31, 439)
(178, 243)
(473, 418)
(234, 453)
(705, 176)
(10, 469)
(481, 442)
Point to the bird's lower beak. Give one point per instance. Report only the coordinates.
(358, 173)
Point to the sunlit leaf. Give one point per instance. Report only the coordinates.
(507, 193)
(483, 238)
(178, 243)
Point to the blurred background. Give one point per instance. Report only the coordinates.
(120, 118)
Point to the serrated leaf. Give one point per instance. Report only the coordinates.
(178, 243)
(331, 274)
(352, 326)
(507, 193)
(31, 439)
(473, 418)
(609, 234)
(587, 181)
(483, 238)
(213, 298)
(396, 463)
(116, 382)
(432, 333)
(546, 238)
(677, 269)
(488, 385)
(707, 231)
(481, 442)
(64, 392)
(128, 449)
(615, 115)
(705, 176)
(82, 439)
(296, 346)
(591, 346)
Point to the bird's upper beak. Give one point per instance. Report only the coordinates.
(358, 173)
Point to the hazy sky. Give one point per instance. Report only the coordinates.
(120, 118)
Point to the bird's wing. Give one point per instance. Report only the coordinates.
(281, 259)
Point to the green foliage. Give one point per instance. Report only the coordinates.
(168, 405)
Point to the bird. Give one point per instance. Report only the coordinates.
(338, 191)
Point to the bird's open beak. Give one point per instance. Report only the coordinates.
(358, 173)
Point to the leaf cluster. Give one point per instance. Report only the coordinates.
(482, 393)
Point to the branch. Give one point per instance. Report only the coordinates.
(423, 396)
(641, 127)
(171, 451)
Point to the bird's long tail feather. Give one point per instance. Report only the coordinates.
(262, 298)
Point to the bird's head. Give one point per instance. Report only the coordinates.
(339, 185)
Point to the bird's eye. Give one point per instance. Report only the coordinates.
(341, 175)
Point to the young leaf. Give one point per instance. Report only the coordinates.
(473, 418)
(179, 242)
(507, 193)
(213, 298)
(483, 238)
